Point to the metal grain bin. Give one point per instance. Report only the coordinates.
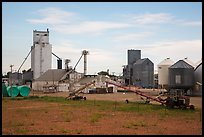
(15, 91)
(198, 80)
(181, 75)
(163, 72)
(4, 90)
(24, 90)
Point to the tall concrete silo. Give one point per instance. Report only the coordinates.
(41, 54)
(163, 72)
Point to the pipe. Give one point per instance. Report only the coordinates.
(85, 64)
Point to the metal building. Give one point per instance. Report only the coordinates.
(163, 72)
(181, 76)
(143, 73)
(41, 54)
(139, 72)
(133, 55)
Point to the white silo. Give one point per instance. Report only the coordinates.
(198, 79)
(41, 54)
(163, 73)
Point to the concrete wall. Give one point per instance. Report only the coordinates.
(41, 59)
(63, 87)
(38, 85)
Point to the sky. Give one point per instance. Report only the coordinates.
(106, 29)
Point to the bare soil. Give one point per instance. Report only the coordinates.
(42, 118)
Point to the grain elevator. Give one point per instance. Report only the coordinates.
(41, 54)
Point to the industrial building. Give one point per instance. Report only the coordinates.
(138, 72)
(56, 80)
(15, 78)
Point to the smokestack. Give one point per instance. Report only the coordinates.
(85, 53)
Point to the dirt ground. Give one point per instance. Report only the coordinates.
(40, 117)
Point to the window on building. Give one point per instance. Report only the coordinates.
(178, 79)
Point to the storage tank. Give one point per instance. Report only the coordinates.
(4, 90)
(163, 72)
(15, 91)
(181, 76)
(24, 90)
(198, 80)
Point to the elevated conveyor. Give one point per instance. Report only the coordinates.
(137, 92)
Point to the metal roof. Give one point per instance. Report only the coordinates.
(98, 78)
(198, 62)
(166, 62)
(189, 62)
(181, 64)
(52, 74)
(198, 66)
(140, 61)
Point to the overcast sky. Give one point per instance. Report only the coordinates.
(107, 30)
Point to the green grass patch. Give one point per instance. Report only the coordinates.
(64, 131)
(95, 117)
(67, 116)
(21, 130)
(16, 123)
(137, 107)
(135, 124)
(78, 131)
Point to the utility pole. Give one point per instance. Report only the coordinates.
(11, 80)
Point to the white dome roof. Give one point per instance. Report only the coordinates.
(189, 62)
(166, 62)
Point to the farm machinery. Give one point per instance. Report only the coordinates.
(175, 98)
(74, 95)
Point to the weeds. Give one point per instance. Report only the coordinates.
(21, 130)
(95, 117)
(18, 123)
(67, 116)
(78, 131)
(135, 125)
(65, 131)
